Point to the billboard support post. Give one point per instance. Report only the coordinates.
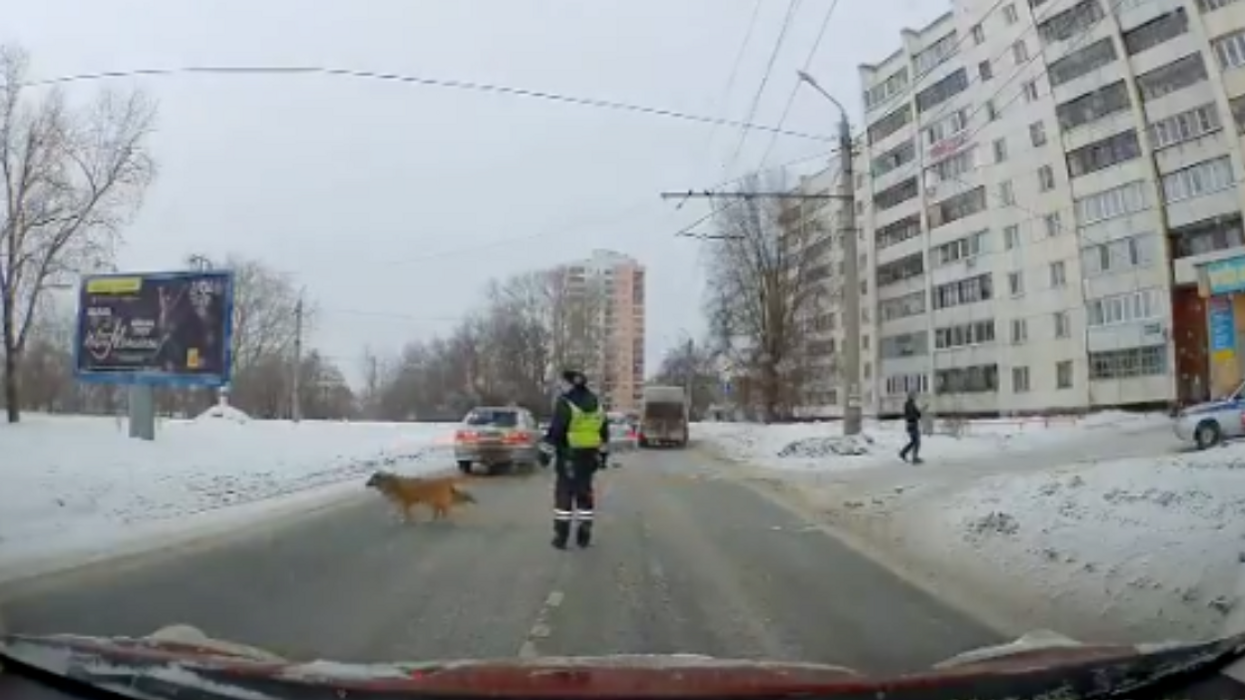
(142, 411)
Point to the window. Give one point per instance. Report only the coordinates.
(964, 335)
(902, 269)
(1093, 106)
(1020, 380)
(1031, 91)
(965, 291)
(1121, 255)
(1011, 237)
(979, 34)
(1177, 75)
(1156, 31)
(902, 307)
(1058, 274)
(1020, 331)
(976, 379)
(895, 195)
(957, 207)
(1099, 155)
(902, 154)
(1010, 15)
(1204, 178)
(904, 345)
(1046, 180)
(992, 113)
(942, 91)
(984, 71)
(1124, 364)
(1071, 22)
(1053, 223)
(1109, 204)
(1230, 49)
(1141, 305)
(1037, 134)
(1020, 52)
(1016, 283)
(936, 54)
(904, 384)
(1218, 233)
(1185, 126)
(946, 127)
(1063, 374)
(1000, 150)
(960, 249)
(1007, 193)
(899, 231)
(1212, 5)
(1237, 105)
(882, 92)
(1063, 325)
(889, 124)
(1081, 62)
(955, 166)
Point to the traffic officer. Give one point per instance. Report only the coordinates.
(579, 432)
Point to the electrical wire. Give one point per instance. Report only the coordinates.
(734, 74)
(449, 84)
(808, 64)
(792, 7)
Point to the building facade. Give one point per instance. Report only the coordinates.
(1044, 182)
(602, 314)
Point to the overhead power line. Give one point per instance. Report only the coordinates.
(444, 83)
(792, 7)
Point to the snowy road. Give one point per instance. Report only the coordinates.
(685, 563)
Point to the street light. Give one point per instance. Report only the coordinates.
(852, 413)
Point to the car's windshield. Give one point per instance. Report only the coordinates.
(494, 418)
(904, 316)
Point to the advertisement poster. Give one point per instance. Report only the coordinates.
(1222, 329)
(165, 328)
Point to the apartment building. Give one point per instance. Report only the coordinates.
(816, 224)
(604, 318)
(1044, 182)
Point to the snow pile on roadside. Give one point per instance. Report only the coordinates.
(78, 487)
(827, 446)
(224, 412)
(786, 446)
(1151, 545)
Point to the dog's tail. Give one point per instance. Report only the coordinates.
(463, 496)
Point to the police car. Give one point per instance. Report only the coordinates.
(1210, 423)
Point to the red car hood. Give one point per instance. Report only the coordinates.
(182, 657)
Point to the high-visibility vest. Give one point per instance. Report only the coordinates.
(584, 432)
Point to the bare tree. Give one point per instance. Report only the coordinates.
(71, 180)
(764, 282)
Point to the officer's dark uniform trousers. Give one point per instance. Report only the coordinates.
(573, 496)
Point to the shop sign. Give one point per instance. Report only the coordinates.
(1226, 276)
(1222, 329)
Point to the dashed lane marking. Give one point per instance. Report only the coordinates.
(540, 627)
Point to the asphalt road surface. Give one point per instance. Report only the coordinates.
(684, 562)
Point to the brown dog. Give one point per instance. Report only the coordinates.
(405, 492)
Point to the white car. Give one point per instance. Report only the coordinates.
(1210, 423)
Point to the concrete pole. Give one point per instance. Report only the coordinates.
(852, 410)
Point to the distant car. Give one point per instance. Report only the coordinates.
(623, 433)
(499, 439)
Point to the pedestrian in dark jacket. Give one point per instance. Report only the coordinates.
(579, 432)
(912, 421)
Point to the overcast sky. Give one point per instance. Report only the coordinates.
(395, 203)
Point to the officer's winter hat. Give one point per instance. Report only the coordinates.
(575, 377)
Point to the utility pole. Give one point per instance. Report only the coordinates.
(689, 373)
(296, 407)
(853, 419)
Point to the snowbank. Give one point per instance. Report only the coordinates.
(1106, 528)
(77, 488)
(821, 447)
(1150, 545)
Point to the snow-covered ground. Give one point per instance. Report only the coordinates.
(1104, 528)
(78, 488)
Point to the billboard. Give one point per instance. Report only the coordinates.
(168, 328)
